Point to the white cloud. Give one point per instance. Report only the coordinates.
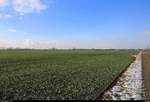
(28, 43)
(12, 30)
(46, 44)
(23, 7)
(28, 6)
(69, 44)
(5, 16)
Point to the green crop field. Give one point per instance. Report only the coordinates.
(59, 74)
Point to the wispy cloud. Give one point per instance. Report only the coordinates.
(28, 6)
(23, 7)
(33, 43)
(12, 30)
(5, 16)
(28, 43)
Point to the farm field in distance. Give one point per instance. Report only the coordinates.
(59, 74)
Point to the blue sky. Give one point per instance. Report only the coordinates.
(74, 23)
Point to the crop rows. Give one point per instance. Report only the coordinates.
(59, 74)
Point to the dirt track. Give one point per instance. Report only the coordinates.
(146, 72)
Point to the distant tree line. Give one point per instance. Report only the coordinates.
(73, 49)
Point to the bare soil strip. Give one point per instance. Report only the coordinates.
(146, 73)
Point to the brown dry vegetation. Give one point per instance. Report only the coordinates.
(146, 72)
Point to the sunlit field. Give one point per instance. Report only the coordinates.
(59, 74)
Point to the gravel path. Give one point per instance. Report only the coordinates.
(129, 85)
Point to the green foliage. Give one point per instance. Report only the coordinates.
(58, 74)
